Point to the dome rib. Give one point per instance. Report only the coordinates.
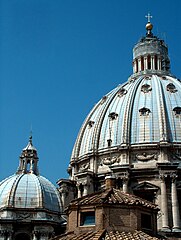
(129, 113)
(13, 190)
(162, 112)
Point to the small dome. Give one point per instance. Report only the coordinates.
(29, 191)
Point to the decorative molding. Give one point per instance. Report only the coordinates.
(110, 160)
(24, 215)
(146, 156)
(84, 167)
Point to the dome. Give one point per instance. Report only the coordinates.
(133, 135)
(29, 191)
(144, 110)
(26, 189)
(30, 205)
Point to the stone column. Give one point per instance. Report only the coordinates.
(35, 237)
(85, 192)
(164, 204)
(79, 193)
(175, 205)
(125, 183)
(139, 64)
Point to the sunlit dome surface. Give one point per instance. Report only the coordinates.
(143, 110)
(146, 109)
(29, 191)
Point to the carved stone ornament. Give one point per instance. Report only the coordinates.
(84, 167)
(146, 157)
(110, 160)
(23, 215)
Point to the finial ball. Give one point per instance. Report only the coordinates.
(149, 26)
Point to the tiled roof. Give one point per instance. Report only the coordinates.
(104, 234)
(112, 196)
(91, 235)
(137, 235)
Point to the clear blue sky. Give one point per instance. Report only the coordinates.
(58, 58)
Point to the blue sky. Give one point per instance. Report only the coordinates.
(58, 58)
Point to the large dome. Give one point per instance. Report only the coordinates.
(133, 135)
(144, 110)
(29, 191)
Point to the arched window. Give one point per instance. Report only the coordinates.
(144, 111)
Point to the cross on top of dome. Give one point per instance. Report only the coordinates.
(149, 26)
(149, 17)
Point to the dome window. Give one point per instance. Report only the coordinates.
(148, 77)
(109, 142)
(144, 111)
(91, 123)
(164, 78)
(113, 116)
(122, 92)
(146, 88)
(171, 88)
(177, 110)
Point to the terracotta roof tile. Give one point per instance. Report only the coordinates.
(106, 235)
(112, 196)
(90, 235)
(137, 235)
